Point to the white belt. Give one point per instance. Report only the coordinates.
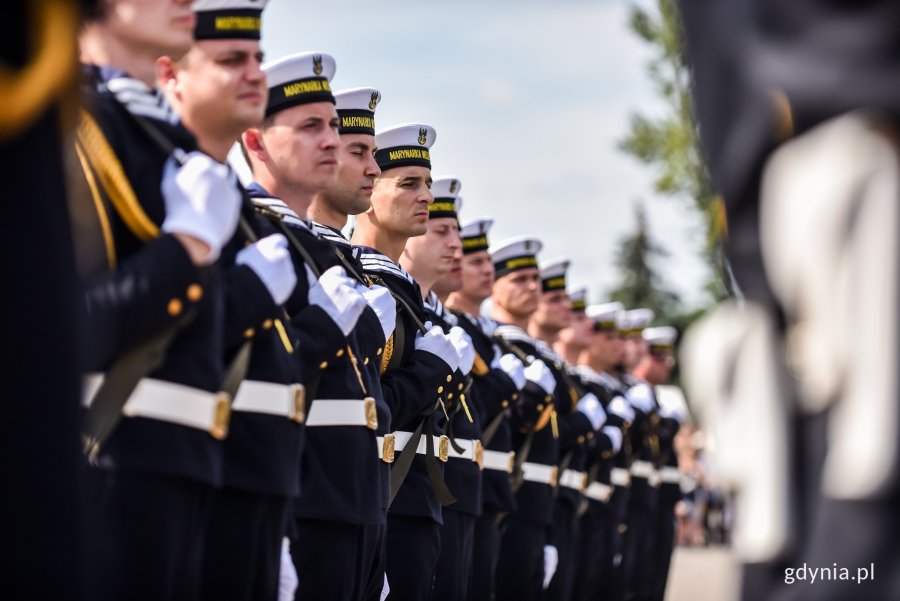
(642, 469)
(170, 402)
(283, 400)
(598, 491)
(619, 476)
(502, 462)
(540, 473)
(441, 444)
(669, 474)
(574, 480)
(386, 447)
(341, 412)
(472, 450)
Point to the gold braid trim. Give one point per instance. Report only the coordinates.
(480, 368)
(102, 217)
(113, 179)
(388, 352)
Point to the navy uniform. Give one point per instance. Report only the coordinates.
(167, 449)
(494, 394)
(338, 517)
(412, 383)
(538, 431)
(574, 438)
(462, 424)
(41, 529)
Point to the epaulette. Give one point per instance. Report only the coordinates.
(139, 99)
(328, 233)
(278, 206)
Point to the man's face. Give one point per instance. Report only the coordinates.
(635, 349)
(477, 275)
(518, 292)
(351, 192)
(219, 83)
(302, 146)
(554, 311)
(661, 364)
(158, 27)
(400, 201)
(580, 331)
(439, 251)
(607, 348)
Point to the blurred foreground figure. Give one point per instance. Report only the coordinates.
(798, 103)
(41, 386)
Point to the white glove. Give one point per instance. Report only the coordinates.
(336, 294)
(437, 343)
(551, 560)
(590, 406)
(382, 302)
(615, 437)
(464, 348)
(513, 367)
(287, 576)
(672, 413)
(641, 397)
(619, 406)
(540, 374)
(270, 260)
(386, 589)
(202, 200)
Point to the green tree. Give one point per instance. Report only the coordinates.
(640, 285)
(670, 141)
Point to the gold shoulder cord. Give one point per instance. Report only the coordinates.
(480, 368)
(102, 217)
(109, 170)
(388, 352)
(26, 92)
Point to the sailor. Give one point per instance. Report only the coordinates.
(163, 211)
(494, 394)
(418, 362)
(527, 556)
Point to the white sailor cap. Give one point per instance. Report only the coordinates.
(299, 79)
(447, 201)
(405, 146)
(661, 338)
(356, 110)
(606, 315)
(513, 254)
(228, 19)
(635, 320)
(578, 297)
(474, 235)
(553, 274)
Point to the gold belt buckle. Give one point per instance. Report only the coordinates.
(371, 413)
(221, 415)
(478, 453)
(554, 476)
(444, 448)
(512, 462)
(298, 403)
(387, 449)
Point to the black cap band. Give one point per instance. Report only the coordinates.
(299, 91)
(512, 264)
(579, 306)
(356, 121)
(442, 207)
(555, 283)
(403, 156)
(475, 244)
(228, 24)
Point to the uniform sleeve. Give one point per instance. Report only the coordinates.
(247, 303)
(320, 339)
(148, 292)
(414, 387)
(494, 392)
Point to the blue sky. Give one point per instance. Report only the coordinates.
(529, 99)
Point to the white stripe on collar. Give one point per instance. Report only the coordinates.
(329, 234)
(279, 206)
(375, 261)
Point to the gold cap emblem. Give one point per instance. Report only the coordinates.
(317, 64)
(423, 136)
(373, 101)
